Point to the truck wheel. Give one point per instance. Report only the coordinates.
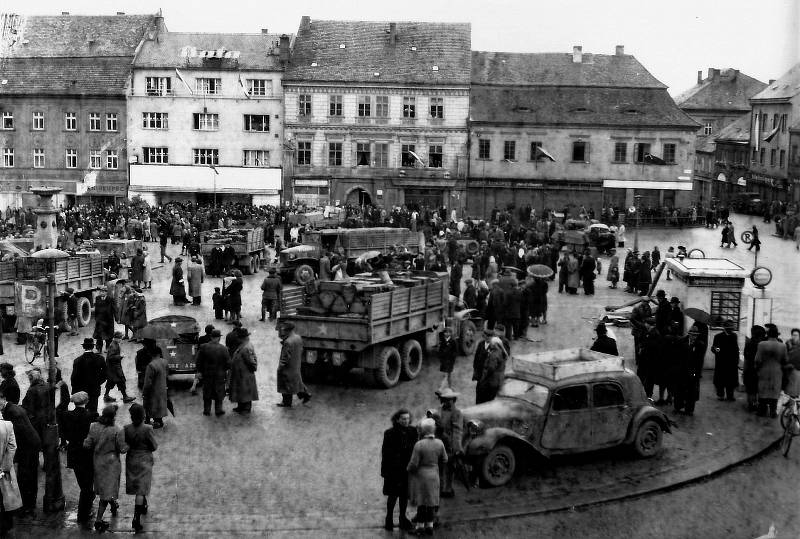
(497, 468)
(248, 269)
(387, 373)
(304, 274)
(648, 438)
(468, 337)
(411, 359)
(84, 312)
(256, 263)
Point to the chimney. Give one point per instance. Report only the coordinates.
(120, 13)
(305, 23)
(392, 33)
(264, 31)
(283, 49)
(699, 77)
(713, 73)
(65, 12)
(577, 54)
(620, 50)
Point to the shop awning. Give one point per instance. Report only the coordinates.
(203, 179)
(627, 184)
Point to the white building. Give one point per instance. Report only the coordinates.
(205, 118)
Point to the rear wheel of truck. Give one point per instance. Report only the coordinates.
(247, 269)
(387, 373)
(411, 359)
(256, 263)
(84, 312)
(304, 274)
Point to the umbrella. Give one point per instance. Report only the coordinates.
(540, 270)
(698, 315)
(158, 332)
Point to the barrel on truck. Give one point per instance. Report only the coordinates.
(248, 243)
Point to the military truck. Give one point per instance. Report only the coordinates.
(248, 243)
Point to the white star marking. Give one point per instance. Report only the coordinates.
(173, 354)
(323, 329)
(173, 324)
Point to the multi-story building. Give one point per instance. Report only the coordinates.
(731, 161)
(715, 102)
(775, 110)
(553, 130)
(376, 112)
(205, 118)
(794, 164)
(62, 104)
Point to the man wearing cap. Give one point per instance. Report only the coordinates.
(451, 430)
(103, 320)
(726, 363)
(27, 456)
(213, 362)
(80, 459)
(290, 379)
(271, 294)
(72, 311)
(89, 373)
(603, 343)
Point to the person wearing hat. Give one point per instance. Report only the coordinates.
(470, 294)
(115, 376)
(137, 268)
(427, 457)
(271, 294)
(770, 361)
(451, 431)
(663, 312)
(213, 362)
(37, 401)
(106, 441)
(232, 294)
(9, 386)
(72, 311)
(676, 314)
(481, 351)
(290, 379)
(88, 373)
(177, 289)
(243, 389)
(603, 343)
(726, 363)
(103, 319)
(76, 428)
(494, 366)
(448, 350)
(154, 390)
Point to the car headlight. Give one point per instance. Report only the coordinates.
(474, 427)
(292, 256)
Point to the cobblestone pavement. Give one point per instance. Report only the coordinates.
(313, 470)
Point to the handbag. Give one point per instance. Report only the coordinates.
(9, 491)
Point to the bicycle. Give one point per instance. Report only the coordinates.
(36, 345)
(790, 421)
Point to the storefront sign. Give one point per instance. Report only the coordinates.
(520, 185)
(311, 183)
(715, 282)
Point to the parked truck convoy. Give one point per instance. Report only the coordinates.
(247, 243)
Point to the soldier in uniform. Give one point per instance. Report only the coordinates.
(290, 379)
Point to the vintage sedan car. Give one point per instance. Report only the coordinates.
(561, 402)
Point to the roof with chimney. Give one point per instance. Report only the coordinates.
(64, 76)
(784, 88)
(212, 51)
(722, 90)
(423, 53)
(738, 131)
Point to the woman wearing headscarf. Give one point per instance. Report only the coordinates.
(427, 456)
(107, 442)
(139, 462)
(398, 443)
(243, 374)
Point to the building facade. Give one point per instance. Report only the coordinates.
(63, 104)
(731, 173)
(556, 130)
(376, 113)
(205, 118)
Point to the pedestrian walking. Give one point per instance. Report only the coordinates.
(290, 380)
(448, 350)
(213, 362)
(76, 428)
(726, 364)
(115, 376)
(755, 241)
(72, 311)
(177, 289)
(107, 443)
(27, 456)
(137, 268)
(396, 450)
(750, 372)
(154, 391)
(9, 485)
(197, 276)
(271, 294)
(141, 442)
(427, 457)
(9, 386)
(103, 319)
(88, 373)
(770, 360)
(243, 389)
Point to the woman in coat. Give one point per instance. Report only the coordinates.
(137, 311)
(197, 275)
(107, 442)
(398, 443)
(139, 462)
(770, 361)
(137, 268)
(243, 378)
(423, 468)
(573, 273)
(233, 293)
(749, 372)
(154, 391)
(11, 495)
(147, 270)
(176, 288)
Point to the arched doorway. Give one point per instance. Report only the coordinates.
(358, 196)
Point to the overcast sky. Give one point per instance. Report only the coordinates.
(673, 39)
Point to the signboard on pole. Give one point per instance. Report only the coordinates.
(30, 299)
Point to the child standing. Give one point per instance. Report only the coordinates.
(216, 299)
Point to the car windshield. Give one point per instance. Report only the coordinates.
(531, 392)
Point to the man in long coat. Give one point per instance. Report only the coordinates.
(726, 365)
(103, 319)
(588, 265)
(771, 358)
(271, 294)
(154, 391)
(27, 456)
(177, 289)
(197, 274)
(243, 375)
(450, 431)
(290, 379)
(494, 367)
(79, 459)
(88, 374)
(213, 362)
(137, 268)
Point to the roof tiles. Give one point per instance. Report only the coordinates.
(785, 87)
(64, 76)
(726, 89)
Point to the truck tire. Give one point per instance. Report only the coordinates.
(411, 359)
(498, 467)
(256, 263)
(471, 247)
(387, 373)
(247, 269)
(468, 337)
(84, 312)
(304, 274)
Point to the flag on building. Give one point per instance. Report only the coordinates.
(180, 77)
(212, 167)
(417, 157)
(757, 131)
(241, 84)
(542, 153)
(651, 159)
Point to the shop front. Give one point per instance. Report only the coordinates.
(654, 194)
(314, 193)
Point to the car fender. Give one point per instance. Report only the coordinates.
(644, 413)
(483, 443)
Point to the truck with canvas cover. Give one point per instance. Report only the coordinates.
(248, 244)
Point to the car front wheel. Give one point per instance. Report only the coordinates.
(648, 438)
(497, 468)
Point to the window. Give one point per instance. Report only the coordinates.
(259, 87)
(607, 394)
(409, 107)
(95, 159)
(205, 156)
(509, 150)
(579, 152)
(534, 152)
(772, 157)
(620, 152)
(8, 157)
(255, 158)
(304, 153)
(256, 122)
(208, 86)
(794, 154)
(111, 121)
(435, 156)
(94, 121)
(761, 156)
(484, 148)
(782, 158)
(669, 153)
(381, 154)
(639, 151)
(37, 122)
(206, 122)
(763, 122)
(38, 158)
(304, 105)
(775, 120)
(382, 106)
(708, 128)
(71, 121)
(571, 398)
(726, 305)
(71, 158)
(406, 158)
(112, 160)
(155, 120)
(155, 156)
(363, 155)
(8, 120)
(335, 154)
(754, 156)
(437, 107)
(783, 123)
(335, 108)
(364, 106)
(158, 86)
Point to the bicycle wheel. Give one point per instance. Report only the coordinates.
(786, 442)
(785, 415)
(30, 346)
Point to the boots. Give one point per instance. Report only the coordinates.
(136, 524)
(388, 524)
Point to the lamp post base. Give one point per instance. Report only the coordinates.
(53, 492)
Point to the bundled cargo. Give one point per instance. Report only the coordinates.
(247, 244)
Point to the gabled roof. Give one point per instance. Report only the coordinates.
(738, 131)
(368, 50)
(551, 105)
(785, 87)
(558, 69)
(79, 36)
(64, 76)
(726, 90)
(180, 49)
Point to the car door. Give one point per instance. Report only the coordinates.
(611, 414)
(568, 425)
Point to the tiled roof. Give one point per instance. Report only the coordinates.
(785, 87)
(550, 105)
(64, 76)
(558, 69)
(705, 145)
(79, 36)
(256, 51)
(367, 50)
(726, 89)
(738, 131)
